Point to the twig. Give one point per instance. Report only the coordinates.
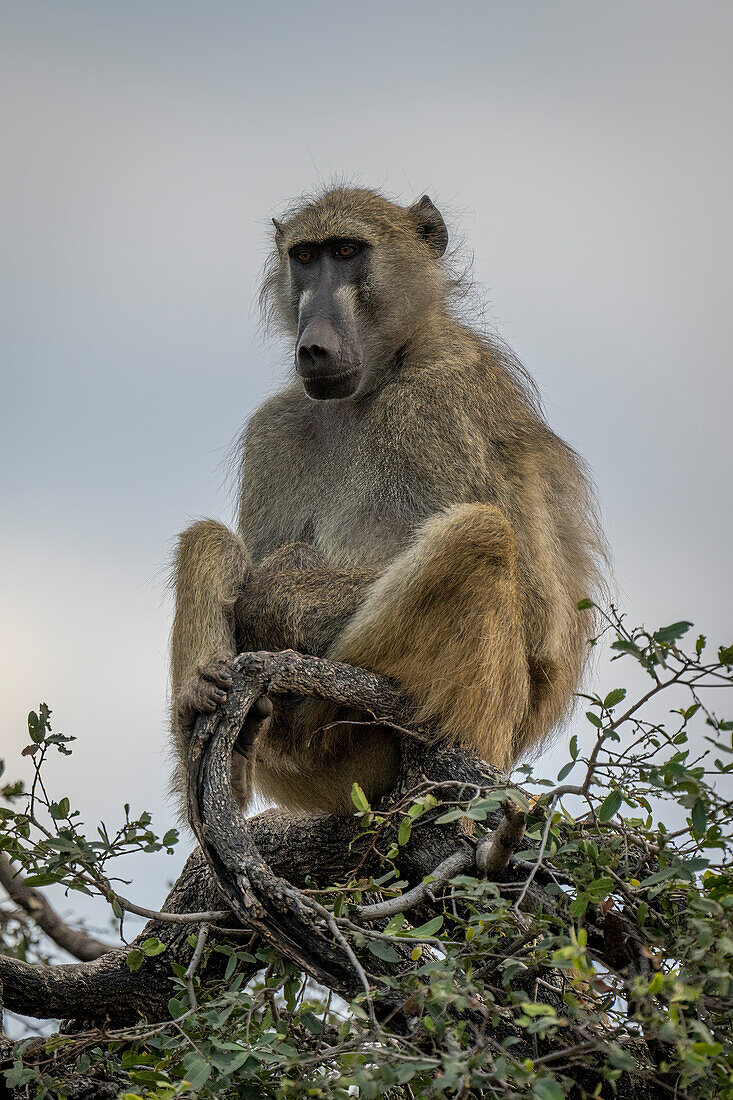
(358, 968)
(455, 864)
(209, 917)
(193, 965)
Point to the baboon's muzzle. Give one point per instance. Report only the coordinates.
(326, 362)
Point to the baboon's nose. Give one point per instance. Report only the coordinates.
(318, 350)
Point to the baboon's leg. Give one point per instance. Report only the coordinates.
(444, 621)
(295, 600)
(211, 567)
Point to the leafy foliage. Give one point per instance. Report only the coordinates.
(608, 950)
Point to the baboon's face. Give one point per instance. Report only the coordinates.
(327, 279)
(352, 278)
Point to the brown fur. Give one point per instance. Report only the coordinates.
(431, 528)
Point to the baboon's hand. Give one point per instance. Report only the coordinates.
(203, 692)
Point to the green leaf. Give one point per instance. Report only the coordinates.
(17, 1077)
(46, 879)
(610, 805)
(601, 887)
(614, 697)
(395, 924)
(658, 876)
(697, 863)
(532, 1008)
(594, 719)
(547, 1089)
(359, 799)
(425, 930)
(152, 946)
(383, 950)
(584, 604)
(710, 1049)
(699, 817)
(579, 905)
(574, 746)
(624, 646)
(404, 832)
(666, 635)
(565, 770)
(134, 959)
(451, 815)
(311, 1022)
(197, 1070)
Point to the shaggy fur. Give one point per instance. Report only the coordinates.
(431, 528)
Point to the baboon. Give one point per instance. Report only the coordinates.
(403, 506)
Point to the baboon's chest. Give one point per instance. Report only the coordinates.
(357, 489)
(358, 504)
(359, 508)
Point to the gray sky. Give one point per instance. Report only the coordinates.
(582, 149)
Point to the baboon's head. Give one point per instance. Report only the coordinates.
(353, 276)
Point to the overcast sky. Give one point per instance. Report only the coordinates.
(583, 150)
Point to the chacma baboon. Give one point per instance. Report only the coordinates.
(403, 507)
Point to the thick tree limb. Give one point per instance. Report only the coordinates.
(291, 673)
(262, 900)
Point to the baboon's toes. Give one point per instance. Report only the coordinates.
(261, 708)
(256, 722)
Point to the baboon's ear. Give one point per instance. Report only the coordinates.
(430, 224)
(279, 228)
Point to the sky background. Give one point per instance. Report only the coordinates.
(582, 150)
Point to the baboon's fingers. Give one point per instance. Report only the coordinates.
(197, 696)
(218, 672)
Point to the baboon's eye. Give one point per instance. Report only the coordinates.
(304, 256)
(345, 251)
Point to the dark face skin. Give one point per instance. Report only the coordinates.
(328, 278)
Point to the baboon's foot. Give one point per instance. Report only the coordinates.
(204, 692)
(257, 721)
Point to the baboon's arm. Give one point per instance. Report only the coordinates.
(295, 600)
(210, 569)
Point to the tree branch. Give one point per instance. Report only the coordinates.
(259, 864)
(74, 940)
(494, 852)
